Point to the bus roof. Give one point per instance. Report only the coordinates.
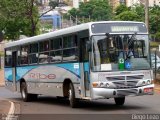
(57, 33)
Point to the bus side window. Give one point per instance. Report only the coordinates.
(44, 51)
(70, 49)
(24, 54)
(8, 58)
(33, 56)
(56, 50)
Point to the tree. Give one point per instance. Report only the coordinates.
(54, 3)
(121, 8)
(94, 10)
(154, 22)
(128, 16)
(134, 13)
(18, 17)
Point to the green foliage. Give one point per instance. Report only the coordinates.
(154, 44)
(54, 3)
(94, 10)
(128, 16)
(137, 13)
(154, 20)
(1, 53)
(18, 17)
(121, 8)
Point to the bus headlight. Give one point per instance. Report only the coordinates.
(107, 84)
(101, 84)
(143, 83)
(148, 82)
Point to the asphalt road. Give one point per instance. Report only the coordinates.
(46, 106)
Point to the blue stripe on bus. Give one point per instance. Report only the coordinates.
(21, 71)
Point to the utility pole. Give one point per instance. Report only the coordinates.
(147, 14)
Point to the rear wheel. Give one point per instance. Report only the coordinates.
(72, 99)
(25, 95)
(119, 101)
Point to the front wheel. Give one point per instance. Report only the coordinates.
(72, 99)
(119, 101)
(25, 95)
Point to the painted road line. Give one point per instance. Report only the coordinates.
(10, 114)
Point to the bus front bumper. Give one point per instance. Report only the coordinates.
(102, 93)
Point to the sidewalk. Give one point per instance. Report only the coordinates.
(157, 87)
(4, 107)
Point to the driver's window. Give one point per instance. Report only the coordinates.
(139, 49)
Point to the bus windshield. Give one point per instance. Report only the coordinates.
(120, 52)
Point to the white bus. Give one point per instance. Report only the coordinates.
(86, 61)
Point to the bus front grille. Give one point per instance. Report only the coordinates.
(127, 92)
(125, 84)
(120, 78)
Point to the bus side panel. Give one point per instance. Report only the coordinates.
(48, 79)
(8, 79)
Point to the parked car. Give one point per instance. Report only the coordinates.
(157, 62)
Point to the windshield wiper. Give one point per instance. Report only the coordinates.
(132, 39)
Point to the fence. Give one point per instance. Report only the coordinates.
(155, 62)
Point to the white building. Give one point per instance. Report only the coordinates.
(134, 2)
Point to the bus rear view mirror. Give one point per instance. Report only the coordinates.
(88, 46)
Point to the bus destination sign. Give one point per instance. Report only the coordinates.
(124, 28)
(118, 28)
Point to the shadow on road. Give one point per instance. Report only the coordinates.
(99, 105)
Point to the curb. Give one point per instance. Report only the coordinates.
(10, 114)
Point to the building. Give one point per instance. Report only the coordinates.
(115, 3)
(74, 3)
(133, 2)
(50, 21)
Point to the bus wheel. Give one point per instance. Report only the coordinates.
(119, 101)
(25, 95)
(72, 99)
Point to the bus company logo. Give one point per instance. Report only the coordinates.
(42, 76)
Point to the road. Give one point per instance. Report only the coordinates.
(52, 105)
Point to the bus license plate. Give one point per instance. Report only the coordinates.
(148, 90)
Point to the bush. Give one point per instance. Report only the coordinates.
(1, 53)
(154, 44)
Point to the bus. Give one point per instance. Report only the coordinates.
(82, 62)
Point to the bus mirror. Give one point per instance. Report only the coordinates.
(88, 46)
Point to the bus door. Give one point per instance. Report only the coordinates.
(84, 65)
(14, 72)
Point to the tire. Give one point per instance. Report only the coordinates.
(25, 95)
(119, 101)
(71, 95)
